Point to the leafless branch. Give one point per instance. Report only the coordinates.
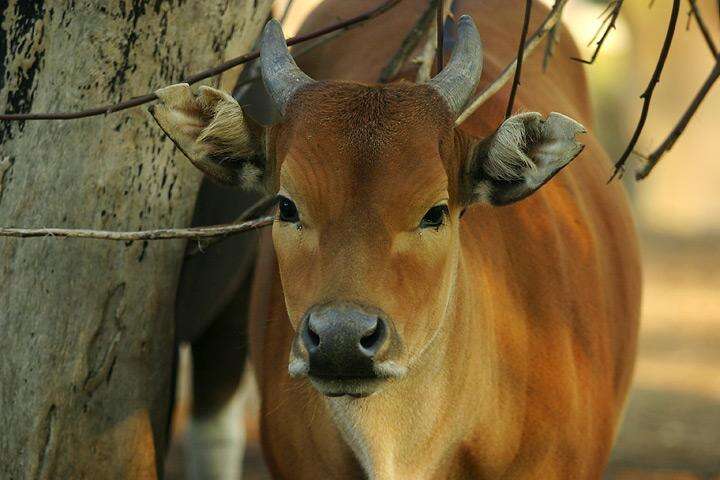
(409, 43)
(427, 55)
(286, 11)
(647, 94)
(136, 101)
(520, 57)
(695, 12)
(255, 210)
(194, 233)
(440, 31)
(550, 21)
(552, 41)
(609, 24)
(296, 53)
(666, 145)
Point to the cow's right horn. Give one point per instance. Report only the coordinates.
(281, 75)
(457, 81)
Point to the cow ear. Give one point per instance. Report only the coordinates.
(521, 156)
(211, 129)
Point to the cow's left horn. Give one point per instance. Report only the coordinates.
(457, 82)
(281, 75)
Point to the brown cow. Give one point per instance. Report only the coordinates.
(426, 310)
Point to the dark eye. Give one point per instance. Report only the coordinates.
(434, 217)
(287, 211)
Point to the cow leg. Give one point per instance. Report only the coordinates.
(217, 428)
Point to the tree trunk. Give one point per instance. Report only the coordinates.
(86, 326)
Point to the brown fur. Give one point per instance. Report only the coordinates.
(519, 323)
(515, 326)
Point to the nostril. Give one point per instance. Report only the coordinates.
(314, 338)
(373, 340)
(310, 337)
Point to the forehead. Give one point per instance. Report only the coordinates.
(368, 139)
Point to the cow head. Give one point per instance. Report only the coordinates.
(373, 180)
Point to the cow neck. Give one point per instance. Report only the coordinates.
(415, 428)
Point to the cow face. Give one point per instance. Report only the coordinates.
(367, 229)
(372, 183)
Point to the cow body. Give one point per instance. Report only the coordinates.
(492, 336)
(528, 373)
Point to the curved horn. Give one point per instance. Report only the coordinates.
(457, 81)
(280, 73)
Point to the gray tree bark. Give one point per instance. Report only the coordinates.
(86, 326)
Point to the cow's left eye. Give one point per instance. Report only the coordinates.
(287, 211)
(435, 217)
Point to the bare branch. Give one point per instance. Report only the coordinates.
(647, 94)
(695, 11)
(666, 145)
(161, 234)
(550, 21)
(286, 11)
(610, 21)
(427, 55)
(296, 53)
(416, 33)
(428, 52)
(552, 41)
(520, 56)
(136, 101)
(440, 31)
(255, 210)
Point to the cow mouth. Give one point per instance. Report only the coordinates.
(353, 387)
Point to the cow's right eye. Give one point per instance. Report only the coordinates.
(287, 211)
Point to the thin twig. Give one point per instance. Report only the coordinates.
(440, 30)
(668, 143)
(416, 33)
(647, 94)
(610, 21)
(296, 54)
(136, 101)
(286, 11)
(258, 208)
(552, 41)
(427, 55)
(551, 20)
(520, 56)
(428, 52)
(695, 11)
(161, 234)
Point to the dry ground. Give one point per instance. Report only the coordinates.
(672, 422)
(671, 429)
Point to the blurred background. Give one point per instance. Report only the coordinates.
(672, 422)
(671, 428)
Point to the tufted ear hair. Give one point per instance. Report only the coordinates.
(211, 129)
(520, 157)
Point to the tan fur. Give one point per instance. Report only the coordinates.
(517, 325)
(212, 131)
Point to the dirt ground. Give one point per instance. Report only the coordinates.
(672, 421)
(671, 429)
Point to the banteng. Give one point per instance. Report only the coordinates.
(435, 301)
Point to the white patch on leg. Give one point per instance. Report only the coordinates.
(217, 443)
